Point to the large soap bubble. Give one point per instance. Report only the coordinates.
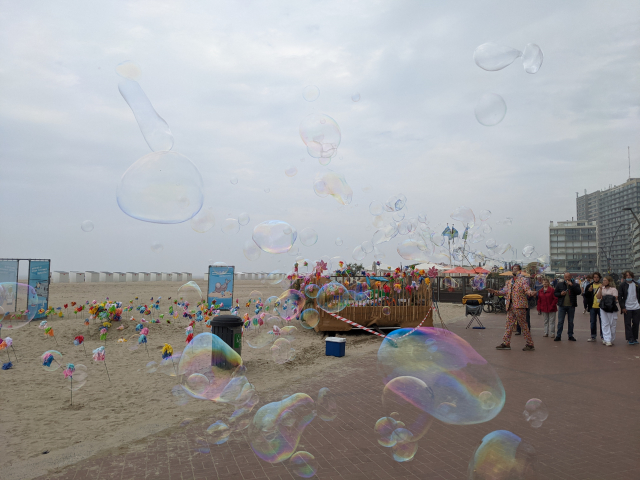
(333, 297)
(161, 187)
(452, 370)
(191, 293)
(492, 57)
(490, 109)
(308, 237)
(532, 58)
(209, 356)
(259, 331)
(464, 215)
(334, 184)
(503, 455)
(274, 236)
(277, 427)
(321, 134)
(19, 305)
(281, 351)
(154, 129)
(290, 304)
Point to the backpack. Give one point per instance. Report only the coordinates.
(608, 304)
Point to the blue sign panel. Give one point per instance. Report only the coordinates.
(220, 286)
(39, 280)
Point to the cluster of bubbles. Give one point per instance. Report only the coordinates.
(334, 184)
(535, 412)
(321, 134)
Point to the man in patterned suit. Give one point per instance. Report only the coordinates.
(516, 291)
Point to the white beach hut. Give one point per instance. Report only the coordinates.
(187, 277)
(60, 277)
(144, 277)
(119, 277)
(106, 277)
(90, 276)
(76, 277)
(167, 277)
(156, 276)
(133, 276)
(177, 276)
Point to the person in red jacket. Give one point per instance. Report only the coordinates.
(548, 306)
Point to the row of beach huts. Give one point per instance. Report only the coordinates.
(121, 277)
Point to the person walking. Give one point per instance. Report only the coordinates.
(593, 305)
(629, 299)
(567, 293)
(516, 290)
(608, 298)
(547, 307)
(583, 286)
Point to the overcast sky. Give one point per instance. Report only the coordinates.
(228, 79)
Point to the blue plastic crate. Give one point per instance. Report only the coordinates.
(335, 346)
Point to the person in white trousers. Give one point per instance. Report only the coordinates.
(608, 319)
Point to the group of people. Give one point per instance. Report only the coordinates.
(601, 299)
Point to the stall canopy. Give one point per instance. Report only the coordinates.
(464, 271)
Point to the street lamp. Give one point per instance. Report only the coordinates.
(611, 245)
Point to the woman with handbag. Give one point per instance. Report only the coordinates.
(608, 298)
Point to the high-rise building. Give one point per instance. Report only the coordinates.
(573, 247)
(614, 232)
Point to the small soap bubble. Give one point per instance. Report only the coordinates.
(303, 464)
(244, 219)
(311, 290)
(230, 226)
(157, 247)
(291, 171)
(386, 310)
(532, 58)
(219, 432)
(308, 237)
(267, 190)
(281, 351)
(251, 250)
(339, 241)
(203, 221)
(358, 254)
(367, 246)
(310, 93)
(234, 180)
(490, 109)
(503, 455)
(86, 226)
(355, 97)
(484, 215)
(51, 360)
(492, 57)
(376, 208)
(334, 184)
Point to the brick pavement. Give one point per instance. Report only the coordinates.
(592, 393)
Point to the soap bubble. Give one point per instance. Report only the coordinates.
(51, 360)
(339, 241)
(311, 290)
(378, 221)
(406, 398)
(157, 247)
(179, 395)
(397, 216)
(477, 237)
(367, 246)
(308, 237)
(281, 351)
(274, 278)
(532, 58)
(151, 367)
(19, 304)
(230, 226)
(291, 304)
(234, 180)
(376, 208)
(412, 250)
(128, 70)
(309, 318)
(492, 57)
(197, 383)
(486, 229)
(204, 220)
(503, 455)
(219, 432)
(303, 464)
(491, 243)
(208, 355)
(86, 226)
(274, 236)
(321, 134)
(384, 429)
(291, 171)
(78, 379)
(334, 184)
(490, 109)
(358, 254)
(277, 427)
(190, 292)
(324, 161)
(528, 250)
(333, 297)
(310, 93)
(453, 371)
(536, 412)
(260, 332)
(487, 400)
(161, 187)
(327, 407)
(464, 215)
(243, 218)
(355, 97)
(155, 130)
(251, 250)
(479, 282)
(484, 215)
(405, 447)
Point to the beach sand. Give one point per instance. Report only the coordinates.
(35, 411)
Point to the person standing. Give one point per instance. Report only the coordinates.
(608, 298)
(547, 307)
(516, 290)
(567, 293)
(583, 286)
(628, 297)
(593, 305)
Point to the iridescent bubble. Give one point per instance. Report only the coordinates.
(487, 400)
(321, 134)
(303, 464)
(128, 70)
(503, 455)
(260, 332)
(161, 187)
(291, 304)
(86, 226)
(291, 171)
(528, 250)
(479, 282)
(324, 161)
(535, 412)
(234, 180)
(464, 215)
(308, 237)
(405, 398)
(532, 58)
(412, 250)
(384, 429)
(367, 246)
(219, 432)
(452, 371)
(311, 290)
(309, 318)
(333, 297)
(358, 254)
(51, 360)
(327, 406)
(355, 97)
(277, 427)
(334, 184)
(19, 304)
(208, 355)
(251, 250)
(492, 57)
(339, 241)
(230, 226)
(405, 447)
(243, 219)
(376, 208)
(179, 395)
(197, 383)
(203, 221)
(274, 236)
(310, 93)
(491, 243)
(281, 351)
(490, 109)
(191, 293)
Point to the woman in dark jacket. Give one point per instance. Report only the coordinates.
(548, 306)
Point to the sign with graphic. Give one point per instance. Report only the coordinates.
(220, 286)
(39, 280)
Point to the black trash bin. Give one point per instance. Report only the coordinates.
(229, 329)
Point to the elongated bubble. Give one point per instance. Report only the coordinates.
(155, 130)
(492, 57)
(334, 184)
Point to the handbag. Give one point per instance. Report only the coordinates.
(608, 304)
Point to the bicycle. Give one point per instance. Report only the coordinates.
(495, 304)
